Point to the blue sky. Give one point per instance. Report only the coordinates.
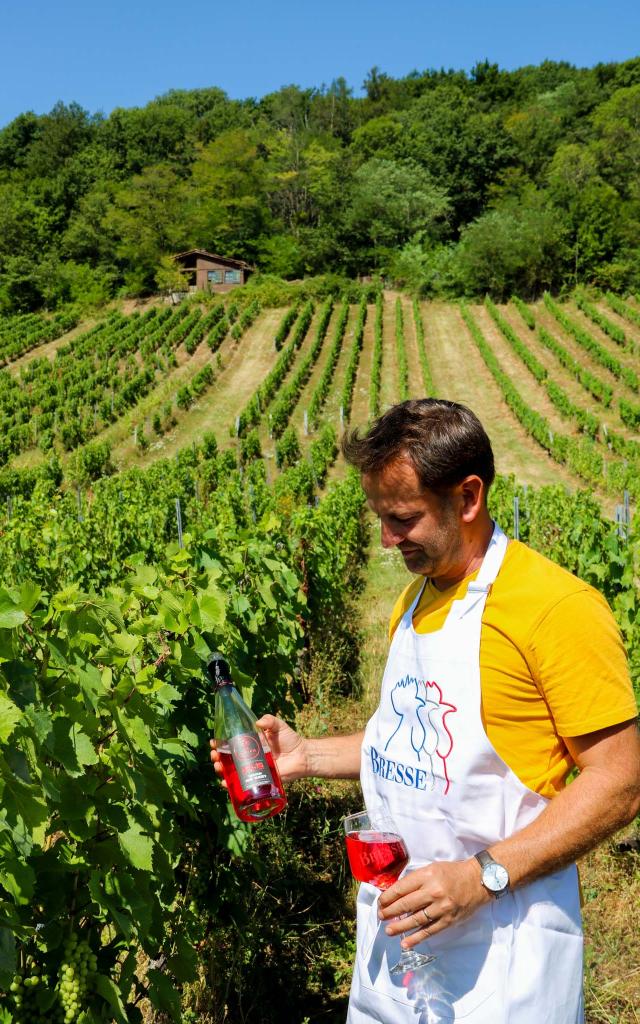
(125, 52)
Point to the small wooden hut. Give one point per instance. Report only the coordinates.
(206, 271)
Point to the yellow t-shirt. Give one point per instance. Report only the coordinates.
(552, 663)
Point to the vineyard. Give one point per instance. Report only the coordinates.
(170, 486)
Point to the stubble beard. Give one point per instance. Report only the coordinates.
(436, 558)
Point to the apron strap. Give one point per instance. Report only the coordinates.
(491, 562)
(478, 589)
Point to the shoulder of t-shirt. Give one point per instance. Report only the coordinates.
(404, 602)
(538, 584)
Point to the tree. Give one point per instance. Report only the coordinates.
(591, 206)
(518, 248)
(462, 149)
(225, 199)
(380, 137)
(391, 203)
(170, 276)
(158, 133)
(617, 125)
(146, 219)
(59, 135)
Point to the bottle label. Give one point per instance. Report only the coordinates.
(250, 760)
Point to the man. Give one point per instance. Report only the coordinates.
(504, 672)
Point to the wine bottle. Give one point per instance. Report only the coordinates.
(248, 767)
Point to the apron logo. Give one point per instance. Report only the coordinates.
(421, 727)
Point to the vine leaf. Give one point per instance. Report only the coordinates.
(163, 993)
(137, 847)
(106, 988)
(10, 715)
(11, 615)
(212, 609)
(8, 960)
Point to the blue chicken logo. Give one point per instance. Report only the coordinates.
(421, 726)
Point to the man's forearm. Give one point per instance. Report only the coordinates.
(589, 810)
(334, 757)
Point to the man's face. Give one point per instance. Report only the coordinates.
(423, 526)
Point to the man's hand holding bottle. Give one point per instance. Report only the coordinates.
(287, 746)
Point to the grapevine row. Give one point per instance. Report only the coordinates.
(94, 379)
(427, 379)
(321, 390)
(26, 331)
(255, 407)
(599, 389)
(582, 455)
(601, 354)
(586, 421)
(376, 362)
(401, 353)
(283, 407)
(615, 333)
(352, 366)
(623, 309)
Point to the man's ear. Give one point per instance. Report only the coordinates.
(472, 494)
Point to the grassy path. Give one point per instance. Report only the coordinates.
(360, 406)
(416, 383)
(389, 385)
(460, 375)
(533, 393)
(243, 363)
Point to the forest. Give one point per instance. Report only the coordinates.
(445, 183)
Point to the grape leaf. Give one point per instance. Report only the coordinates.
(164, 994)
(137, 847)
(10, 715)
(10, 615)
(212, 609)
(106, 988)
(8, 960)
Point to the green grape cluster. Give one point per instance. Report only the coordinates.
(25, 988)
(76, 969)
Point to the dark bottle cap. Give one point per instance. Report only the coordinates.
(218, 670)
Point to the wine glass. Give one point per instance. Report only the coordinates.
(378, 855)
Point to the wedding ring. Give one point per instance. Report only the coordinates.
(428, 919)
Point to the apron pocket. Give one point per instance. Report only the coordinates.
(466, 982)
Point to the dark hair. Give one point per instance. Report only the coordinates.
(445, 442)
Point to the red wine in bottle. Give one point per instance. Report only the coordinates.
(248, 767)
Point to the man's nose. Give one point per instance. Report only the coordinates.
(388, 536)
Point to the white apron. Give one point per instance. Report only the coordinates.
(427, 761)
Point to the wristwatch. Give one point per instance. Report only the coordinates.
(495, 877)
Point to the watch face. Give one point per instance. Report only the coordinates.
(495, 877)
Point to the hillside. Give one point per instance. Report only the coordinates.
(445, 182)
